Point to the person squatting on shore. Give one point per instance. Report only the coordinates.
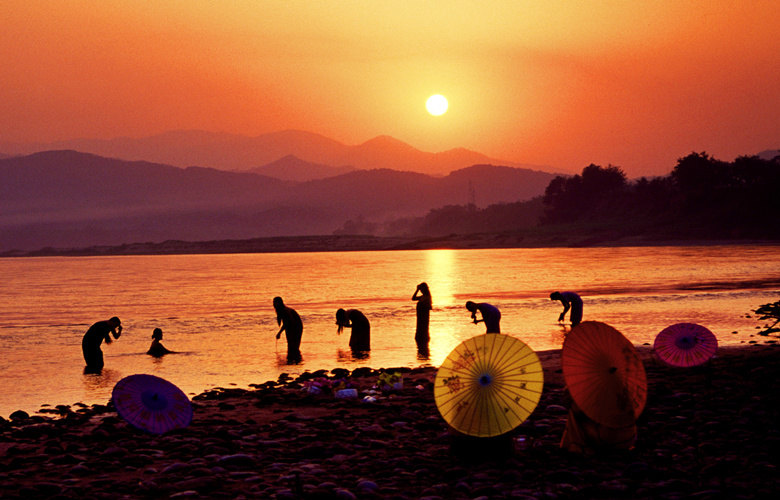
(90, 343)
(491, 316)
(569, 300)
(290, 323)
(360, 339)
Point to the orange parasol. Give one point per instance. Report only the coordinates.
(604, 374)
(685, 345)
(488, 385)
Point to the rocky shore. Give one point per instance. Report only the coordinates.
(710, 432)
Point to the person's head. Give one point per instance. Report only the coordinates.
(278, 303)
(423, 287)
(341, 319)
(116, 326)
(157, 334)
(471, 306)
(556, 296)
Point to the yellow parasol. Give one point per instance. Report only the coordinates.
(488, 385)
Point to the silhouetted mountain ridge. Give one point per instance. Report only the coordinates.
(237, 152)
(292, 168)
(68, 198)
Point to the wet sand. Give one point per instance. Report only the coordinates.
(708, 432)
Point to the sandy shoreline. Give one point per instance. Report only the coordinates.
(705, 433)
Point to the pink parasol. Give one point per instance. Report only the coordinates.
(151, 403)
(685, 345)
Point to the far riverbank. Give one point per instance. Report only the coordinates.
(348, 243)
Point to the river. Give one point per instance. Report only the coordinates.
(216, 310)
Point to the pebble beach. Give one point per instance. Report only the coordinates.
(706, 432)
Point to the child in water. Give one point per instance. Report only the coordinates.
(157, 349)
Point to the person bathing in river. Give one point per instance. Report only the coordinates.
(360, 339)
(570, 300)
(157, 349)
(90, 343)
(290, 323)
(422, 295)
(491, 316)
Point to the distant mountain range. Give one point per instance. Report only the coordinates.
(237, 152)
(74, 199)
(292, 168)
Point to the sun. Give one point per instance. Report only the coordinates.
(436, 105)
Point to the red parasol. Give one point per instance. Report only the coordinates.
(685, 345)
(151, 403)
(604, 374)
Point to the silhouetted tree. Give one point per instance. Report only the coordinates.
(597, 190)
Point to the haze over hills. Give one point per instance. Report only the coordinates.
(292, 168)
(73, 199)
(237, 152)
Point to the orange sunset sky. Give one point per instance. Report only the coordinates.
(563, 84)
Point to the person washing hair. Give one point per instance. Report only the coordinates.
(90, 343)
(360, 339)
(491, 316)
(422, 295)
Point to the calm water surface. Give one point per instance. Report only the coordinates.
(216, 310)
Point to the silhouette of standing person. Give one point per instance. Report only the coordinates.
(90, 344)
(570, 300)
(491, 316)
(424, 305)
(157, 349)
(360, 339)
(290, 323)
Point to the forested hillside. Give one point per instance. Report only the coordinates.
(702, 198)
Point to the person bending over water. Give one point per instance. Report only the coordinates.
(90, 344)
(424, 305)
(360, 339)
(570, 300)
(491, 316)
(290, 323)
(157, 349)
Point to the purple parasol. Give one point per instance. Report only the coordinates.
(151, 403)
(685, 345)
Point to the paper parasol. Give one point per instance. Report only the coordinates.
(604, 374)
(151, 403)
(685, 345)
(488, 385)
